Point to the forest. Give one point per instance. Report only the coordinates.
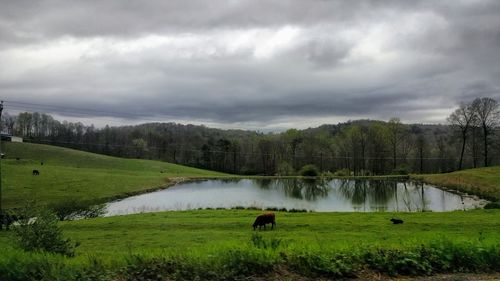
(469, 139)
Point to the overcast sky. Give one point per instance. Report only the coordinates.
(247, 64)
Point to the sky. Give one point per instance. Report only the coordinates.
(259, 65)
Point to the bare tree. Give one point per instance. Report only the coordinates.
(462, 119)
(486, 111)
(395, 132)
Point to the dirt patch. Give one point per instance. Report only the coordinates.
(282, 274)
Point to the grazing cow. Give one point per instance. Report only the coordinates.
(17, 158)
(36, 173)
(41, 163)
(397, 221)
(264, 219)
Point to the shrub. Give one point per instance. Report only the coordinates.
(401, 170)
(493, 205)
(342, 173)
(41, 233)
(285, 169)
(309, 171)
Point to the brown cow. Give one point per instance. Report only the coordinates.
(264, 219)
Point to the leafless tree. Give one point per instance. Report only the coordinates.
(462, 119)
(487, 113)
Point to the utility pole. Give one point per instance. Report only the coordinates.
(1, 211)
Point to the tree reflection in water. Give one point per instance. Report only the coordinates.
(308, 189)
(364, 195)
(373, 195)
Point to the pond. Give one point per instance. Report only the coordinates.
(299, 194)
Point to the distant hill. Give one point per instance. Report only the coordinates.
(360, 146)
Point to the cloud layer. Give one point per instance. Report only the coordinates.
(249, 64)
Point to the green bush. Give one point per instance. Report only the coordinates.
(342, 173)
(492, 205)
(285, 169)
(401, 170)
(312, 263)
(309, 171)
(40, 232)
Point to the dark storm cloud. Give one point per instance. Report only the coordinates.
(249, 61)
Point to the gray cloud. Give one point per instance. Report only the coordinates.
(243, 62)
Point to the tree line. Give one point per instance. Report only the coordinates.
(360, 147)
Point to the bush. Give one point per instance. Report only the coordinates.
(285, 169)
(342, 173)
(38, 231)
(401, 170)
(73, 208)
(309, 171)
(493, 205)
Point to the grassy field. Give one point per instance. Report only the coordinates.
(484, 182)
(68, 173)
(203, 230)
(221, 245)
(198, 241)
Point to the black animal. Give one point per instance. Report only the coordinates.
(264, 219)
(17, 158)
(397, 221)
(36, 173)
(41, 163)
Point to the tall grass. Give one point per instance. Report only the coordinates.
(253, 259)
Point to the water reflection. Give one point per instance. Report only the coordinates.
(308, 189)
(316, 195)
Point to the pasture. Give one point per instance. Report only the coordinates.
(221, 244)
(202, 230)
(68, 173)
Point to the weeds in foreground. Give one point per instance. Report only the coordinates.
(261, 256)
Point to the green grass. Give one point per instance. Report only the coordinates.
(185, 245)
(484, 182)
(202, 230)
(219, 242)
(69, 173)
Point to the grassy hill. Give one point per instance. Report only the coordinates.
(484, 182)
(68, 173)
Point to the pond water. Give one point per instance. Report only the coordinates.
(302, 194)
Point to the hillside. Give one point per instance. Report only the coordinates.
(68, 173)
(484, 182)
